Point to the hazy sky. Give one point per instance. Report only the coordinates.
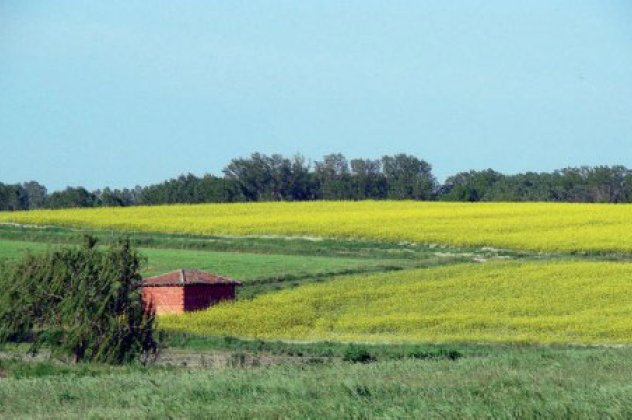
(121, 93)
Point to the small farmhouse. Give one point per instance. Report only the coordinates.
(186, 290)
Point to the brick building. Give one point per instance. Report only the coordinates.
(186, 290)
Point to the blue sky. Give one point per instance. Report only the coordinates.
(130, 92)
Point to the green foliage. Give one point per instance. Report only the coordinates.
(260, 177)
(470, 186)
(72, 197)
(271, 178)
(358, 354)
(82, 301)
(408, 177)
(599, 184)
(13, 197)
(449, 354)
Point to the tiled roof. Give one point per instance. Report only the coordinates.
(186, 277)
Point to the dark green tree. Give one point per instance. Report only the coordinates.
(302, 182)
(334, 178)
(253, 175)
(13, 197)
(408, 177)
(470, 186)
(80, 301)
(72, 197)
(36, 194)
(368, 179)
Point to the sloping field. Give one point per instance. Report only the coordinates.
(539, 302)
(531, 226)
(242, 266)
(246, 266)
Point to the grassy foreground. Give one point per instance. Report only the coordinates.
(532, 226)
(509, 383)
(540, 302)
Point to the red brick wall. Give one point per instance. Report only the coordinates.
(176, 299)
(198, 297)
(164, 300)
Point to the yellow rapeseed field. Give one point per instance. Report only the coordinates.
(539, 302)
(532, 226)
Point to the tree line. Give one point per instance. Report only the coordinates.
(261, 177)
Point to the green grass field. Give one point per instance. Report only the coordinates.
(264, 272)
(14, 249)
(243, 266)
(502, 382)
(266, 265)
(250, 267)
(257, 272)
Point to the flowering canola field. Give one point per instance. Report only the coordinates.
(530, 226)
(539, 302)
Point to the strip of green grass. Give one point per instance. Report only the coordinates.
(261, 245)
(14, 249)
(379, 352)
(250, 267)
(243, 266)
(515, 382)
(258, 272)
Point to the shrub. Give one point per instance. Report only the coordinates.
(79, 301)
(440, 354)
(358, 354)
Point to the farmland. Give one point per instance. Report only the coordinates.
(531, 299)
(535, 302)
(315, 210)
(248, 267)
(547, 227)
(267, 266)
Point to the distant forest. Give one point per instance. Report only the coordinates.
(278, 178)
